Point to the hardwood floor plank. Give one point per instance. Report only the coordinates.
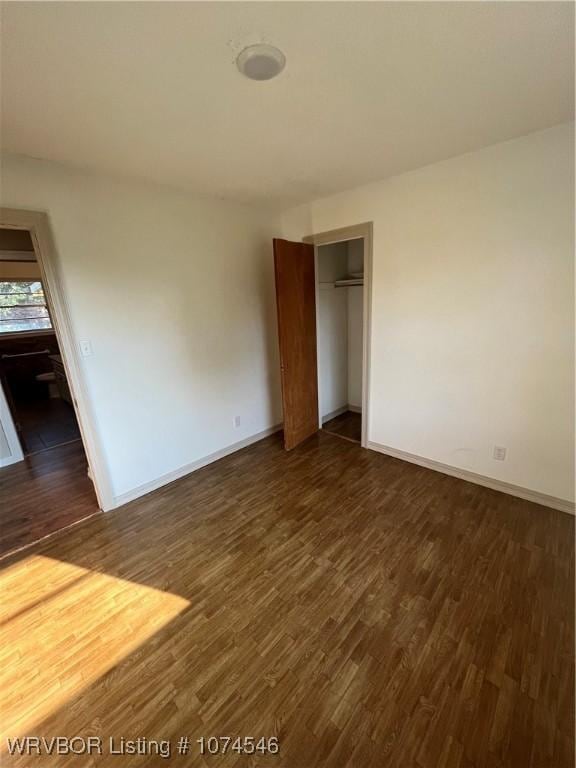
(348, 425)
(43, 494)
(365, 611)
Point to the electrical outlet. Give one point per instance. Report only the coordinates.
(236, 421)
(499, 453)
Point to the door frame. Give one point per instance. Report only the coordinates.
(355, 232)
(9, 430)
(38, 224)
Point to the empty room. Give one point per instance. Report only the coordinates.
(287, 384)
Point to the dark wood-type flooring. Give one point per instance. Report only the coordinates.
(46, 423)
(42, 494)
(347, 425)
(365, 611)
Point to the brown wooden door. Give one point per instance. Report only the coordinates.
(296, 304)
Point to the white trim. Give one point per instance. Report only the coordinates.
(37, 223)
(317, 311)
(9, 428)
(340, 411)
(366, 333)
(176, 474)
(354, 232)
(333, 414)
(562, 505)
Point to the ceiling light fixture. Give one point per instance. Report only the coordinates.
(261, 62)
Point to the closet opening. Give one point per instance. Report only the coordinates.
(340, 337)
(323, 290)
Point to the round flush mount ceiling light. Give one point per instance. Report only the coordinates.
(261, 62)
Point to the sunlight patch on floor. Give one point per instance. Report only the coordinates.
(48, 657)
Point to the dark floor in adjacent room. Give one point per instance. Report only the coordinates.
(44, 493)
(348, 425)
(46, 423)
(366, 611)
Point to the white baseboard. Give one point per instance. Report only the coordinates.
(333, 414)
(8, 460)
(340, 411)
(176, 474)
(563, 505)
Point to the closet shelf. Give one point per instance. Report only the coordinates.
(345, 282)
(348, 282)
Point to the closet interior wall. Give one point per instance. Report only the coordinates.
(340, 320)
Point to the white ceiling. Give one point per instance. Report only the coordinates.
(151, 90)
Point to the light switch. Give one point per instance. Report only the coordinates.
(86, 348)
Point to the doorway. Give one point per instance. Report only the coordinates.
(340, 287)
(323, 301)
(31, 368)
(43, 449)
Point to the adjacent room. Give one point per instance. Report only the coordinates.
(42, 443)
(287, 403)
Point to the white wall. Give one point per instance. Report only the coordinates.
(355, 255)
(355, 324)
(355, 321)
(5, 451)
(472, 312)
(332, 349)
(10, 450)
(176, 295)
(472, 309)
(332, 329)
(339, 327)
